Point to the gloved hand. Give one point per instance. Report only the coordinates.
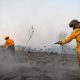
(59, 42)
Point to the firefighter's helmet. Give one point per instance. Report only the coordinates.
(73, 23)
(6, 37)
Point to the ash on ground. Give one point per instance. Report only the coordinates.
(38, 66)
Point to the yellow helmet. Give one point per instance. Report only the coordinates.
(6, 37)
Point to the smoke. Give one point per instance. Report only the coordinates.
(37, 66)
(10, 62)
(7, 61)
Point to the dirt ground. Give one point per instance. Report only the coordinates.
(38, 66)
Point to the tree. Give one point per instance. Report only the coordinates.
(31, 32)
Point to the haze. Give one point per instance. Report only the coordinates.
(48, 17)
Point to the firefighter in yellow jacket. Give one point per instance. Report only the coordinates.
(75, 24)
(10, 44)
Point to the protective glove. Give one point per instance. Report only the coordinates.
(59, 42)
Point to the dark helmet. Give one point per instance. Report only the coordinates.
(73, 23)
(6, 37)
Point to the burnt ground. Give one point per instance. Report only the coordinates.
(38, 66)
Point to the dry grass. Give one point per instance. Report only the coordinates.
(38, 66)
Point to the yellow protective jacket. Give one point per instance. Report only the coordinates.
(74, 35)
(9, 42)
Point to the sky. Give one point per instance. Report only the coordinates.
(48, 17)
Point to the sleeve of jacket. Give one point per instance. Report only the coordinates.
(70, 37)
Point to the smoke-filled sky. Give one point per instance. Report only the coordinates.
(48, 17)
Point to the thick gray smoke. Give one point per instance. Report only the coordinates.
(10, 62)
(7, 61)
(37, 66)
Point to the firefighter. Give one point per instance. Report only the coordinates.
(75, 24)
(9, 44)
